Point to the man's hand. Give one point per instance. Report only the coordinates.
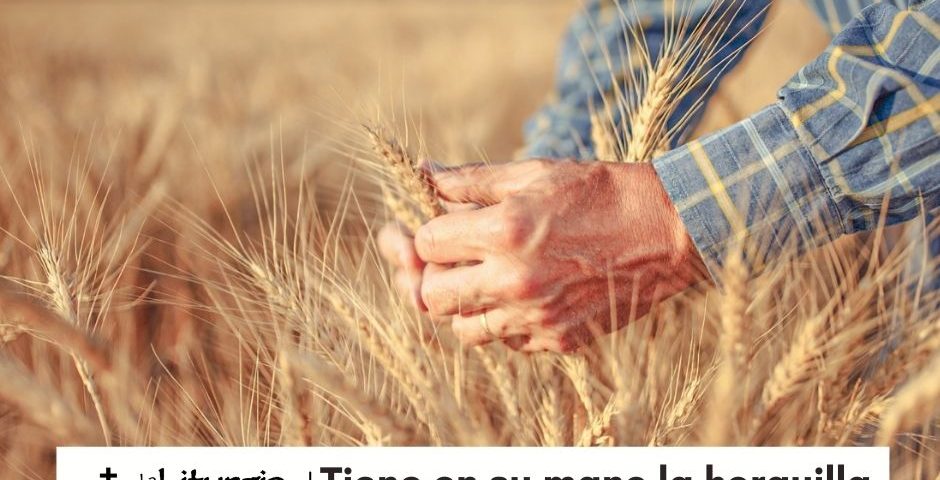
(559, 253)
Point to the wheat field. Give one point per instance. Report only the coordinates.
(188, 258)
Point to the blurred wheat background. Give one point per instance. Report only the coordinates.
(187, 256)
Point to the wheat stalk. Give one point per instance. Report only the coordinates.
(60, 298)
(604, 139)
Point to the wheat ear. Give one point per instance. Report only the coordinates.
(549, 413)
(649, 135)
(504, 386)
(734, 303)
(690, 51)
(915, 404)
(414, 181)
(333, 381)
(296, 422)
(402, 211)
(680, 413)
(793, 372)
(723, 408)
(61, 301)
(415, 387)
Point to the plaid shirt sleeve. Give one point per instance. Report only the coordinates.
(594, 55)
(854, 128)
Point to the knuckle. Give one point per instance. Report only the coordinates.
(597, 173)
(505, 328)
(516, 234)
(573, 338)
(516, 225)
(552, 341)
(541, 165)
(431, 297)
(517, 342)
(424, 240)
(524, 285)
(501, 329)
(546, 319)
(547, 343)
(567, 344)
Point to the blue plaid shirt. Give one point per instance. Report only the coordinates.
(855, 127)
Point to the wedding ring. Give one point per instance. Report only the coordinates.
(485, 325)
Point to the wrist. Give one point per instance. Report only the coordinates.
(687, 257)
(645, 203)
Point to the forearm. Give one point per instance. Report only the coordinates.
(835, 15)
(594, 59)
(856, 126)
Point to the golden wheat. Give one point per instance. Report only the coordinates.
(413, 180)
(263, 314)
(602, 136)
(916, 404)
(44, 406)
(727, 391)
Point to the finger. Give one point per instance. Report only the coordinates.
(500, 323)
(481, 183)
(457, 237)
(459, 207)
(408, 285)
(516, 342)
(457, 290)
(537, 344)
(397, 247)
(568, 342)
(469, 331)
(432, 168)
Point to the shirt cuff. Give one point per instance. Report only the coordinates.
(753, 182)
